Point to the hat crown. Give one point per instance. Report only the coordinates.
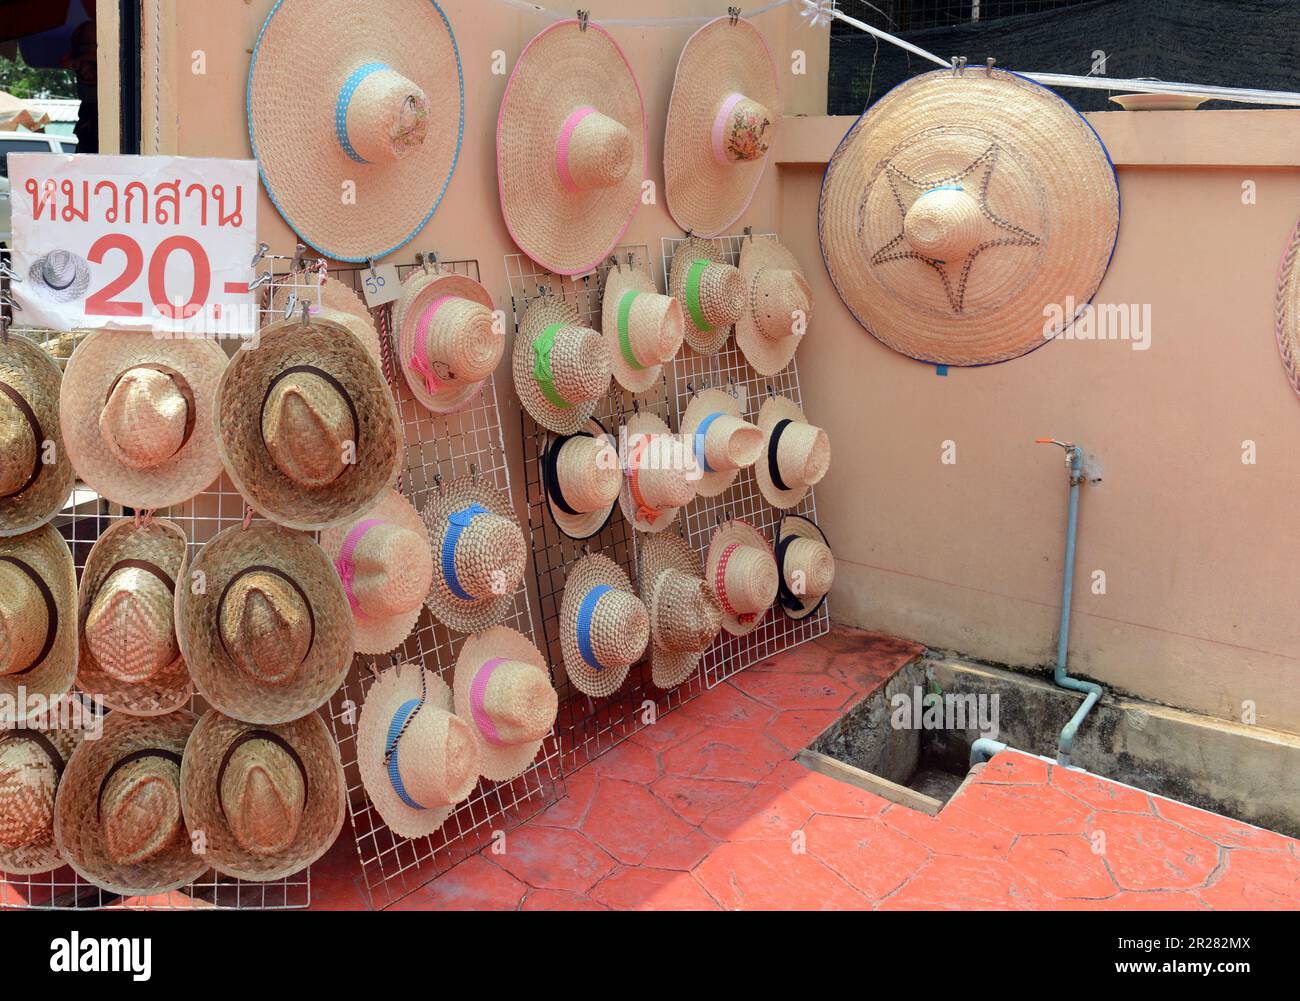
(520, 702)
(588, 473)
(592, 151)
(580, 364)
(145, 419)
(437, 758)
(141, 809)
(381, 116)
(18, 445)
(490, 556)
(780, 294)
(620, 628)
(750, 580)
(655, 326)
(266, 627)
(944, 224)
(684, 613)
(714, 293)
(27, 786)
(263, 796)
(803, 455)
(308, 429)
(58, 268)
(463, 336)
(393, 570)
(732, 443)
(661, 473)
(24, 620)
(815, 564)
(742, 130)
(129, 626)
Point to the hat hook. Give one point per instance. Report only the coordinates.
(586, 549)
(583, 17)
(473, 473)
(4, 329)
(262, 250)
(306, 311)
(419, 260)
(636, 406)
(263, 279)
(437, 482)
(8, 272)
(749, 232)
(248, 518)
(734, 14)
(290, 305)
(771, 393)
(988, 66)
(298, 251)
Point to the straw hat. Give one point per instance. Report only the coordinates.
(479, 554)
(604, 627)
(961, 209)
(38, 615)
(685, 617)
(33, 758)
(778, 307)
(582, 477)
(1288, 309)
(31, 490)
(117, 816)
(643, 330)
(136, 412)
(386, 565)
(795, 454)
(742, 570)
(656, 482)
(711, 291)
(269, 638)
(268, 800)
(336, 301)
(59, 276)
(306, 426)
(448, 340)
(721, 123)
(805, 565)
(503, 688)
(571, 147)
(126, 618)
(723, 443)
(384, 113)
(417, 758)
(561, 368)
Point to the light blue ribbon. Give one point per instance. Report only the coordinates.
(350, 86)
(394, 775)
(457, 522)
(585, 612)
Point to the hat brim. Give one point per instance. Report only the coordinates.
(765, 355)
(337, 297)
(702, 342)
(773, 411)
(587, 573)
(744, 534)
(655, 554)
(642, 424)
(30, 370)
(618, 280)
(418, 292)
(46, 552)
(584, 524)
(541, 314)
(705, 402)
(42, 854)
(796, 526)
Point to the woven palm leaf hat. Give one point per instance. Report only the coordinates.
(964, 208)
(711, 291)
(571, 147)
(657, 474)
(741, 568)
(796, 454)
(685, 616)
(604, 627)
(31, 489)
(722, 119)
(1288, 310)
(59, 276)
(38, 615)
(642, 329)
(268, 799)
(561, 368)
(126, 618)
(778, 305)
(723, 442)
(362, 97)
(582, 477)
(805, 566)
(269, 636)
(33, 758)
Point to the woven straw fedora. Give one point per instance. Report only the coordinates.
(561, 368)
(805, 566)
(448, 340)
(1287, 313)
(38, 614)
(962, 207)
(306, 426)
(338, 302)
(796, 454)
(117, 816)
(33, 758)
(136, 412)
(126, 618)
(269, 638)
(722, 120)
(711, 291)
(742, 571)
(386, 565)
(657, 473)
(59, 276)
(604, 627)
(778, 306)
(722, 441)
(384, 112)
(417, 758)
(268, 801)
(503, 688)
(582, 477)
(685, 616)
(643, 330)
(571, 147)
(31, 489)
(479, 554)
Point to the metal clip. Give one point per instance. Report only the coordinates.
(749, 232)
(290, 305)
(4, 329)
(306, 312)
(432, 258)
(734, 14)
(583, 17)
(473, 473)
(988, 66)
(8, 272)
(263, 279)
(298, 251)
(262, 250)
(419, 260)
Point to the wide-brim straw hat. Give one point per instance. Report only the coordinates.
(299, 618)
(604, 627)
(136, 412)
(643, 330)
(269, 799)
(306, 425)
(711, 291)
(571, 147)
(59, 276)
(581, 479)
(33, 490)
(561, 369)
(126, 611)
(1287, 314)
(448, 341)
(796, 454)
(805, 566)
(38, 617)
(502, 687)
(338, 298)
(722, 121)
(33, 759)
(385, 113)
(657, 474)
(741, 569)
(685, 616)
(118, 818)
(955, 242)
(479, 554)
(721, 440)
(417, 758)
(778, 305)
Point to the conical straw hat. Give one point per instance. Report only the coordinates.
(31, 489)
(503, 689)
(643, 330)
(962, 210)
(59, 276)
(33, 759)
(742, 571)
(722, 120)
(796, 454)
(269, 800)
(657, 471)
(711, 291)
(268, 638)
(722, 442)
(126, 622)
(805, 566)
(561, 369)
(581, 477)
(382, 120)
(685, 616)
(571, 147)
(778, 305)
(1288, 310)
(38, 614)
(604, 627)
(448, 339)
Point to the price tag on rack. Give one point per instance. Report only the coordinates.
(380, 284)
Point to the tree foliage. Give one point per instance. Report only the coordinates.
(25, 81)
